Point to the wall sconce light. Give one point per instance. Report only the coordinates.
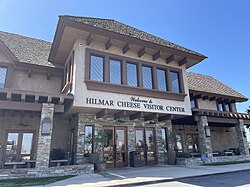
(207, 131)
(46, 126)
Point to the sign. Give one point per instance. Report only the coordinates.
(134, 103)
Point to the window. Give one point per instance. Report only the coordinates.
(19, 146)
(115, 74)
(96, 68)
(88, 141)
(174, 80)
(132, 75)
(147, 77)
(193, 101)
(164, 139)
(220, 106)
(192, 142)
(227, 107)
(3, 74)
(161, 79)
(179, 142)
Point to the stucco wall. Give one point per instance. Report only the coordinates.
(206, 104)
(37, 82)
(3, 58)
(81, 93)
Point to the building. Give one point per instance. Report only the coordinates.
(102, 75)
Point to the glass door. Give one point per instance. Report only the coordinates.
(115, 147)
(145, 143)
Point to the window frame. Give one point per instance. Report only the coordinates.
(9, 74)
(179, 81)
(166, 79)
(152, 76)
(93, 136)
(104, 62)
(106, 86)
(119, 60)
(137, 73)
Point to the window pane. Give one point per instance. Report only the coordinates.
(220, 107)
(96, 68)
(164, 139)
(88, 143)
(115, 71)
(132, 77)
(27, 143)
(139, 139)
(179, 142)
(147, 77)
(11, 147)
(161, 80)
(3, 73)
(174, 79)
(227, 108)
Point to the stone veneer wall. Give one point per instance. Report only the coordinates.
(90, 119)
(44, 141)
(198, 161)
(47, 172)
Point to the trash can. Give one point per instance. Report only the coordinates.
(135, 159)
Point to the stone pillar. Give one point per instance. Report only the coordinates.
(80, 138)
(131, 140)
(170, 135)
(206, 145)
(159, 147)
(242, 140)
(44, 141)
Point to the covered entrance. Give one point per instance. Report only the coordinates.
(115, 147)
(145, 144)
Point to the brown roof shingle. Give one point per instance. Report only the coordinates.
(121, 28)
(208, 84)
(27, 49)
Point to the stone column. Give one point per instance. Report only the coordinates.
(170, 135)
(206, 146)
(242, 140)
(80, 138)
(44, 141)
(159, 147)
(131, 140)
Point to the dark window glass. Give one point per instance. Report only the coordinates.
(220, 106)
(96, 68)
(3, 73)
(115, 72)
(161, 79)
(179, 142)
(132, 76)
(88, 143)
(147, 77)
(175, 83)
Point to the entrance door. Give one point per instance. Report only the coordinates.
(115, 147)
(145, 143)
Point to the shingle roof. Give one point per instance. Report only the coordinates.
(120, 28)
(208, 84)
(27, 49)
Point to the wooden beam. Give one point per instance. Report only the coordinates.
(142, 52)
(197, 96)
(89, 39)
(120, 114)
(232, 101)
(206, 97)
(212, 98)
(126, 48)
(136, 115)
(101, 113)
(183, 61)
(219, 99)
(109, 43)
(171, 58)
(166, 117)
(151, 117)
(157, 55)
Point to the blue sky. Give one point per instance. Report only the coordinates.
(217, 29)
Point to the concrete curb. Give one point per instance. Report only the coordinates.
(174, 179)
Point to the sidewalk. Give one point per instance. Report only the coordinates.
(146, 175)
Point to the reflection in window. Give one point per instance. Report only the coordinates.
(132, 76)
(88, 142)
(179, 142)
(174, 80)
(108, 144)
(11, 147)
(220, 106)
(139, 139)
(147, 77)
(3, 73)
(192, 143)
(96, 68)
(161, 79)
(164, 139)
(115, 72)
(27, 143)
(120, 140)
(227, 107)
(193, 101)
